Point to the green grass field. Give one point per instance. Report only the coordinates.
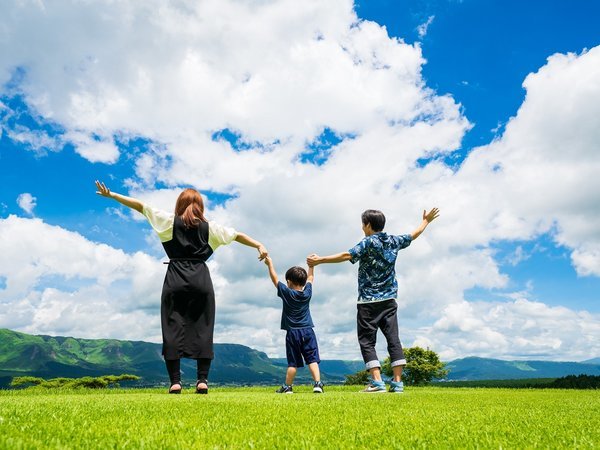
(341, 418)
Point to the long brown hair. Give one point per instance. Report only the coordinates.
(190, 208)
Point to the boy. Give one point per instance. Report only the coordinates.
(300, 339)
(377, 292)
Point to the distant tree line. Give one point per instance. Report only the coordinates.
(577, 382)
(71, 383)
(519, 383)
(567, 382)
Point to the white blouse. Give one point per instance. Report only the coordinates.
(162, 222)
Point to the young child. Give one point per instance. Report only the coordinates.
(377, 292)
(300, 339)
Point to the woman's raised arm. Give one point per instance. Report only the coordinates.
(130, 202)
(250, 242)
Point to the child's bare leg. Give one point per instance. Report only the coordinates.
(290, 375)
(376, 373)
(397, 370)
(314, 371)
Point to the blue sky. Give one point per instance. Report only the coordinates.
(73, 119)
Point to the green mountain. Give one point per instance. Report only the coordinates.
(54, 356)
(595, 361)
(473, 368)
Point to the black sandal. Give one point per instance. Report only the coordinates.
(175, 391)
(200, 390)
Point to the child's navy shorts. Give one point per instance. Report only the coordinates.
(301, 342)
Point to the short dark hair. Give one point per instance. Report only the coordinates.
(296, 275)
(375, 218)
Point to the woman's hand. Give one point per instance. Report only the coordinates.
(103, 190)
(262, 252)
(130, 202)
(312, 260)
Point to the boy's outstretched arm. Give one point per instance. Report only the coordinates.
(427, 219)
(130, 202)
(314, 259)
(311, 274)
(272, 272)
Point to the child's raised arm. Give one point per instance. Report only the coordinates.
(427, 219)
(272, 272)
(314, 259)
(311, 274)
(130, 202)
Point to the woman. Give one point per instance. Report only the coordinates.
(188, 301)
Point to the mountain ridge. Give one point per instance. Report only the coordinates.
(59, 356)
(477, 368)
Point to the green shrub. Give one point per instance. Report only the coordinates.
(72, 383)
(359, 378)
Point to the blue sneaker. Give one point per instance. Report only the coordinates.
(396, 387)
(374, 387)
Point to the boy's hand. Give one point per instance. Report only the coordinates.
(312, 260)
(431, 215)
(267, 260)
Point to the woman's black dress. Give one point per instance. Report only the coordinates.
(188, 298)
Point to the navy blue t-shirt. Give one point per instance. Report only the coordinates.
(295, 312)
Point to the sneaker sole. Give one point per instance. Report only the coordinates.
(317, 391)
(383, 391)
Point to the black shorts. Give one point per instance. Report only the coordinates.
(382, 316)
(299, 343)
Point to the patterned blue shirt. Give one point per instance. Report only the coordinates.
(376, 255)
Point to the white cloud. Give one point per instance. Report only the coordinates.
(541, 175)
(27, 202)
(66, 284)
(37, 141)
(93, 149)
(422, 29)
(517, 329)
(278, 73)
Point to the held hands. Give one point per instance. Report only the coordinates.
(431, 215)
(312, 260)
(102, 189)
(263, 254)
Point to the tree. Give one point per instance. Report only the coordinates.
(422, 366)
(577, 382)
